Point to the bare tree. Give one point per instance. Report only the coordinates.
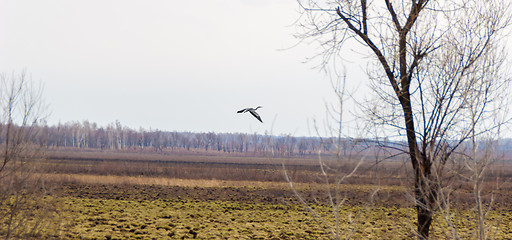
(437, 70)
(21, 190)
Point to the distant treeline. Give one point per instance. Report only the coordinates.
(114, 136)
(117, 137)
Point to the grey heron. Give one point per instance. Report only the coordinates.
(252, 111)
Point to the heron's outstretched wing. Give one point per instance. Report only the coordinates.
(242, 111)
(256, 115)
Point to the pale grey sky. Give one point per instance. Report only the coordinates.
(171, 65)
(168, 65)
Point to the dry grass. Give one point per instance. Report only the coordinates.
(206, 183)
(219, 167)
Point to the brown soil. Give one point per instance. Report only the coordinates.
(386, 198)
(235, 194)
(239, 169)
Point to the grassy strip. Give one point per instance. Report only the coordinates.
(163, 181)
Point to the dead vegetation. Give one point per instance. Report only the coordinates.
(200, 171)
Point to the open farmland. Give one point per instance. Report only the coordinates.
(120, 195)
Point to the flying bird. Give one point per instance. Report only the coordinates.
(252, 111)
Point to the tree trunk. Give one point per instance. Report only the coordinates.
(424, 203)
(424, 192)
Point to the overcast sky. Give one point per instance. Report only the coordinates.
(168, 65)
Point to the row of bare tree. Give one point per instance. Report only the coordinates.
(117, 137)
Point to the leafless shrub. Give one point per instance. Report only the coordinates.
(346, 158)
(24, 205)
(471, 169)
